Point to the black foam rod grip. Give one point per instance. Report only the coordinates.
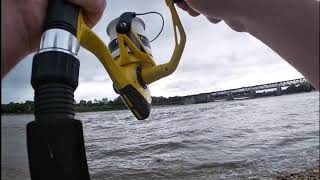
(56, 150)
(62, 15)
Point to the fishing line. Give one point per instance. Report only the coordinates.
(153, 12)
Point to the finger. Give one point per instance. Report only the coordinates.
(213, 20)
(93, 10)
(91, 19)
(93, 6)
(184, 6)
(193, 13)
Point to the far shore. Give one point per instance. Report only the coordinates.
(121, 107)
(84, 111)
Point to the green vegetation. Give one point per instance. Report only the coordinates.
(89, 106)
(100, 105)
(27, 107)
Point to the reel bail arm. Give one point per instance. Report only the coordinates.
(152, 74)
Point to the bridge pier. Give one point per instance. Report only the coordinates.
(308, 86)
(230, 96)
(252, 93)
(278, 93)
(210, 98)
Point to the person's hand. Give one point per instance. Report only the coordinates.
(22, 23)
(232, 12)
(289, 27)
(33, 15)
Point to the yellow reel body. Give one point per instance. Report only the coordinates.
(132, 68)
(136, 97)
(131, 52)
(133, 91)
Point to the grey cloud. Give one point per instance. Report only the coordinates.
(181, 85)
(90, 68)
(20, 76)
(16, 94)
(16, 86)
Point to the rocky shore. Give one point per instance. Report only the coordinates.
(308, 174)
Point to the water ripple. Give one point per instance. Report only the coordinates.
(247, 139)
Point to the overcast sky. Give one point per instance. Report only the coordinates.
(215, 58)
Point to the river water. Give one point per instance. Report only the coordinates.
(244, 139)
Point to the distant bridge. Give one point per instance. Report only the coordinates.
(261, 87)
(251, 91)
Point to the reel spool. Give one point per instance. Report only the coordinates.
(137, 25)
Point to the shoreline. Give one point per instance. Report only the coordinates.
(84, 111)
(311, 173)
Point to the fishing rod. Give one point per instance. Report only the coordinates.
(55, 139)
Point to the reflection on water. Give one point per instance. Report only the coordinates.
(220, 140)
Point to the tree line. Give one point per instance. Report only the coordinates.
(89, 105)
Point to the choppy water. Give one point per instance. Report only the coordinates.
(247, 139)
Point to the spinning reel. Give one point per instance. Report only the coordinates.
(130, 64)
